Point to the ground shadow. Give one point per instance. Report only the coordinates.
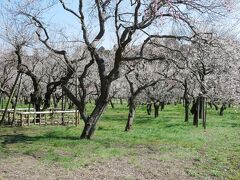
(21, 138)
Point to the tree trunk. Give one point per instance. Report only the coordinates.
(204, 110)
(1, 99)
(210, 105)
(223, 107)
(156, 109)
(55, 102)
(216, 107)
(63, 107)
(162, 104)
(10, 98)
(194, 111)
(195, 119)
(26, 101)
(131, 114)
(36, 101)
(71, 105)
(90, 124)
(112, 104)
(200, 102)
(149, 108)
(186, 106)
(16, 100)
(121, 101)
(186, 101)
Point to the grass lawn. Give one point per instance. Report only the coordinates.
(166, 140)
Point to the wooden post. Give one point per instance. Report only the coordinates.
(8, 116)
(28, 119)
(21, 119)
(29, 106)
(52, 118)
(40, 120)
(34, 119)
(17, 96)
(10, 98)
(45, 118)
(77, 118)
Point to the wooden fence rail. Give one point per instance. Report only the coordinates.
(53, 117)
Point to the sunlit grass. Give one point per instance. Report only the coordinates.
(216, 151)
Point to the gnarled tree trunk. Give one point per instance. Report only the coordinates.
(223, 107)
(131, 114)
(215, 106)
(210, 105)
(90, 124)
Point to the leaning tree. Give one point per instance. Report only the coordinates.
(146, 18)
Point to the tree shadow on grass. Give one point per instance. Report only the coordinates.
(151, 119)
(177, 125)
(227, 124)
(21, 138)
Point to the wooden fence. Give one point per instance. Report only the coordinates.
(52, 117)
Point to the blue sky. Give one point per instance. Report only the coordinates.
(61, 20)
(72, 26)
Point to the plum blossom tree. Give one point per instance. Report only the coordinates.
(146, 18)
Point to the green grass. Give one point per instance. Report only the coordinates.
(214, 152)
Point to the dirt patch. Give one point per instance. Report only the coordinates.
(140, 167)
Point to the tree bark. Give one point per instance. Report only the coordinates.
(162, 104)
(70, 105)
(156, 109)
(10, 98)
(1, 99)
(121, 101)
(204, 112)
(200, 104)
(215, 106)
(55, 101)
(149, 108)
(2, 102)
(16, 101)
(186, 101)
(195, 112)
(210, 105)
(131, 114)
(90, 124)
(112, 104)
(63, 107)
(186, 107)
(36, 100)
(223, 107)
